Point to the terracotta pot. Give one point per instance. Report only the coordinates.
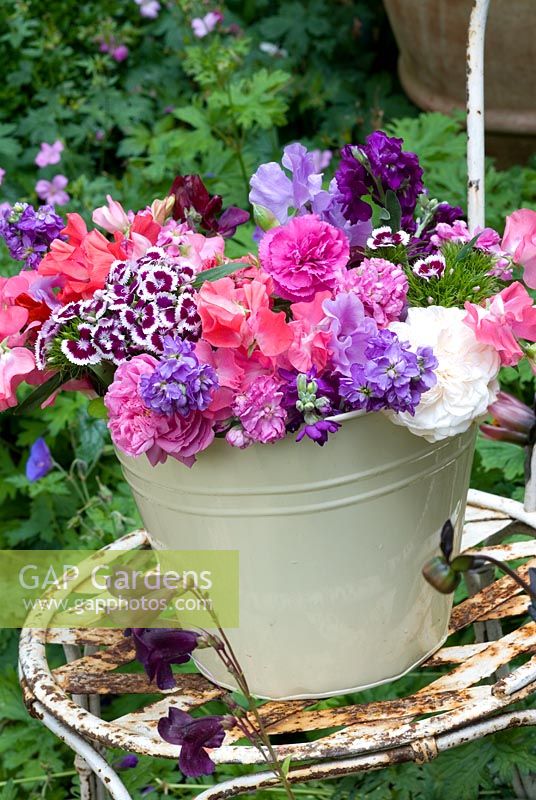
(432, 39)
(331, 542)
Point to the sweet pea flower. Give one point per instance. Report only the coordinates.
(39, 462)
(53, 191)
(509, 315)
(16, 366)
(49, 154)
(519, 241)
(25, 302)
(111, 217)
(194, 736)
(511, 420)
(158, 648)
(202, 26)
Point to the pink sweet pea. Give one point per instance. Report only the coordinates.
(16, 365)
(508, 316)
(53, 191)
(520, 241)
(24, 304)
(111, 217)
(49, 154)
(309, 347)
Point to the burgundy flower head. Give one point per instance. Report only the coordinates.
(194, 205)
(194, 735)
(158, 648)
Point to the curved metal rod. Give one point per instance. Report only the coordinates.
(475, 115)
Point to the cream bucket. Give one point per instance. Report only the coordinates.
(331, 543)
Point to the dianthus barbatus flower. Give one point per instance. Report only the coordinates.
(373, 168)
(158, 648)
(28, 232)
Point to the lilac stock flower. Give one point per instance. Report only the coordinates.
(148, 8)
(49, 154)
(194, 735)
(391, 376)
(52, 192)
(309, 398)
(374, 168)
(318, 431)
(28, 232)
(158, 648)
(39, 462)
(179, 382)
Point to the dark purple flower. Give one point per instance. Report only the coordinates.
(373, 169)
(318, 431)
(126, 762)
(158, 648)
(28, 232)
(193, 735)
(40, 461)
(194, 205)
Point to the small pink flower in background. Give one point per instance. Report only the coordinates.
(112, 217)
(304, 257)
(202, 26)
(519, 241)
(120, 53)
(507, 316)
(148, 8)
(2, 174)
(53, 191)
(49, 154)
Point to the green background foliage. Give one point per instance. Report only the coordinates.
(218, 106)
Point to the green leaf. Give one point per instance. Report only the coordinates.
(97, 409)
(505, 456)
(40, 394)
(102, 375)
(466, 249)
(216, 273)
(285, 766)
(392, 205)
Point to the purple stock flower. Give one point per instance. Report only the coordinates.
(179, 382)
(374, 168)
(40, 461)
(158, 648)
(391, 376)
(28, 232)
(318, 431)
(194, 735)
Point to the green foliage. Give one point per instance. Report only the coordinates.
(466, 278)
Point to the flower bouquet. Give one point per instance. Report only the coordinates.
(369, 320)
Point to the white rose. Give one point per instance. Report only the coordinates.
(466, 373)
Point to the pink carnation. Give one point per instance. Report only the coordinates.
(260, 412)
(507, 316)
(304, 257)
(381, 286)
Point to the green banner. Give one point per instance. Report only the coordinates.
(119, 589)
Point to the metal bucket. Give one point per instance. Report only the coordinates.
(331, 543)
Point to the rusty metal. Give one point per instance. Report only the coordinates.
(367, 736)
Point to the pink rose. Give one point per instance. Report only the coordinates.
(507, 316)
(304, 257)
(520, 241)
(186, 437)
(16, 365)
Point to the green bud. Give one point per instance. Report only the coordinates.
(264, 218)
(440, 575)
(462, 563)
(301, 383)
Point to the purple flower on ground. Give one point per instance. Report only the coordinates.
(179, 382)
(351, 330)
(40, 461)
(391, 376)
(126, 762)
(194, 736)
(53, 191)
(148, 8)
(158, 648)
(49, 154)
(28, 232)
(119, 53)
(202, 26)
(373, 169)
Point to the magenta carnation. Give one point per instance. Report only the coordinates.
(134, 428)
(304, 257)
(381, 286)
(260, 412)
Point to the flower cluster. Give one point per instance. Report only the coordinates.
(184, 344)
(28, 232)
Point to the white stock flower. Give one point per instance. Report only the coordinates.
(466, 373)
